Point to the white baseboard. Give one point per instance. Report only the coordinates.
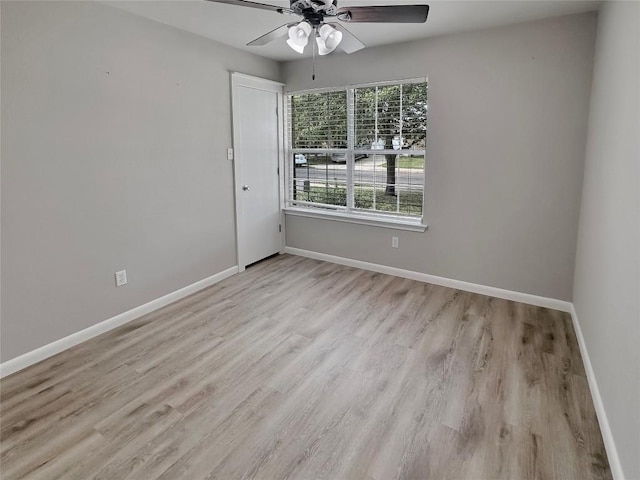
(35, 356)
(605, 428)
(612, 453)
(552, 303)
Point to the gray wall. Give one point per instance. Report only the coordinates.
(507, 125)
(114, 137)
(607, 279)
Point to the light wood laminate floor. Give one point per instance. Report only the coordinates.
(303, 369)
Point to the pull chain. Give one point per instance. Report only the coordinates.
(313, 74)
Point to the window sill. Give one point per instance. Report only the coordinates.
(395, 223)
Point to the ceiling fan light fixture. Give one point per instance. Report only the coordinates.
(299, 36)
(328, 39)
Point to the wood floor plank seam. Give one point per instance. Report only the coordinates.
(302, 369)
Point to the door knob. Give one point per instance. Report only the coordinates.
(246, 188)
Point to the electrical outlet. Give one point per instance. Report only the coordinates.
(394, 242)
(121, 278)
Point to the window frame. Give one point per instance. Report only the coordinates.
(348, 213)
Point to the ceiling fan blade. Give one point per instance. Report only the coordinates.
(384, 13)
(349, 43)
(245, 3)
(270, 37)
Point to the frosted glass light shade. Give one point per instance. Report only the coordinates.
(299, 36)
(328, 39)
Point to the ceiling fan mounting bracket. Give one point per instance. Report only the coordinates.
(304, 7)
(314, 18)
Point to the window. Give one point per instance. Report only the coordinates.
(359, 151)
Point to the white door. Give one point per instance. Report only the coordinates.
(257, 139)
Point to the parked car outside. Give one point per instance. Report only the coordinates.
(300, 159)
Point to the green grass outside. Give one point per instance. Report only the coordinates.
(410, 202)
(409, 162)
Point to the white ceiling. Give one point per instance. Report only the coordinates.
(236, 26)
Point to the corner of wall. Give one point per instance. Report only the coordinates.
(603, 420)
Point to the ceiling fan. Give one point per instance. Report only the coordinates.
(329, 36)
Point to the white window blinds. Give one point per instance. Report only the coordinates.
(359, 149)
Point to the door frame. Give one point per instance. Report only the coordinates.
(241, 80)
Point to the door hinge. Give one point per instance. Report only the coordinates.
(280, 228)
(278, 170)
